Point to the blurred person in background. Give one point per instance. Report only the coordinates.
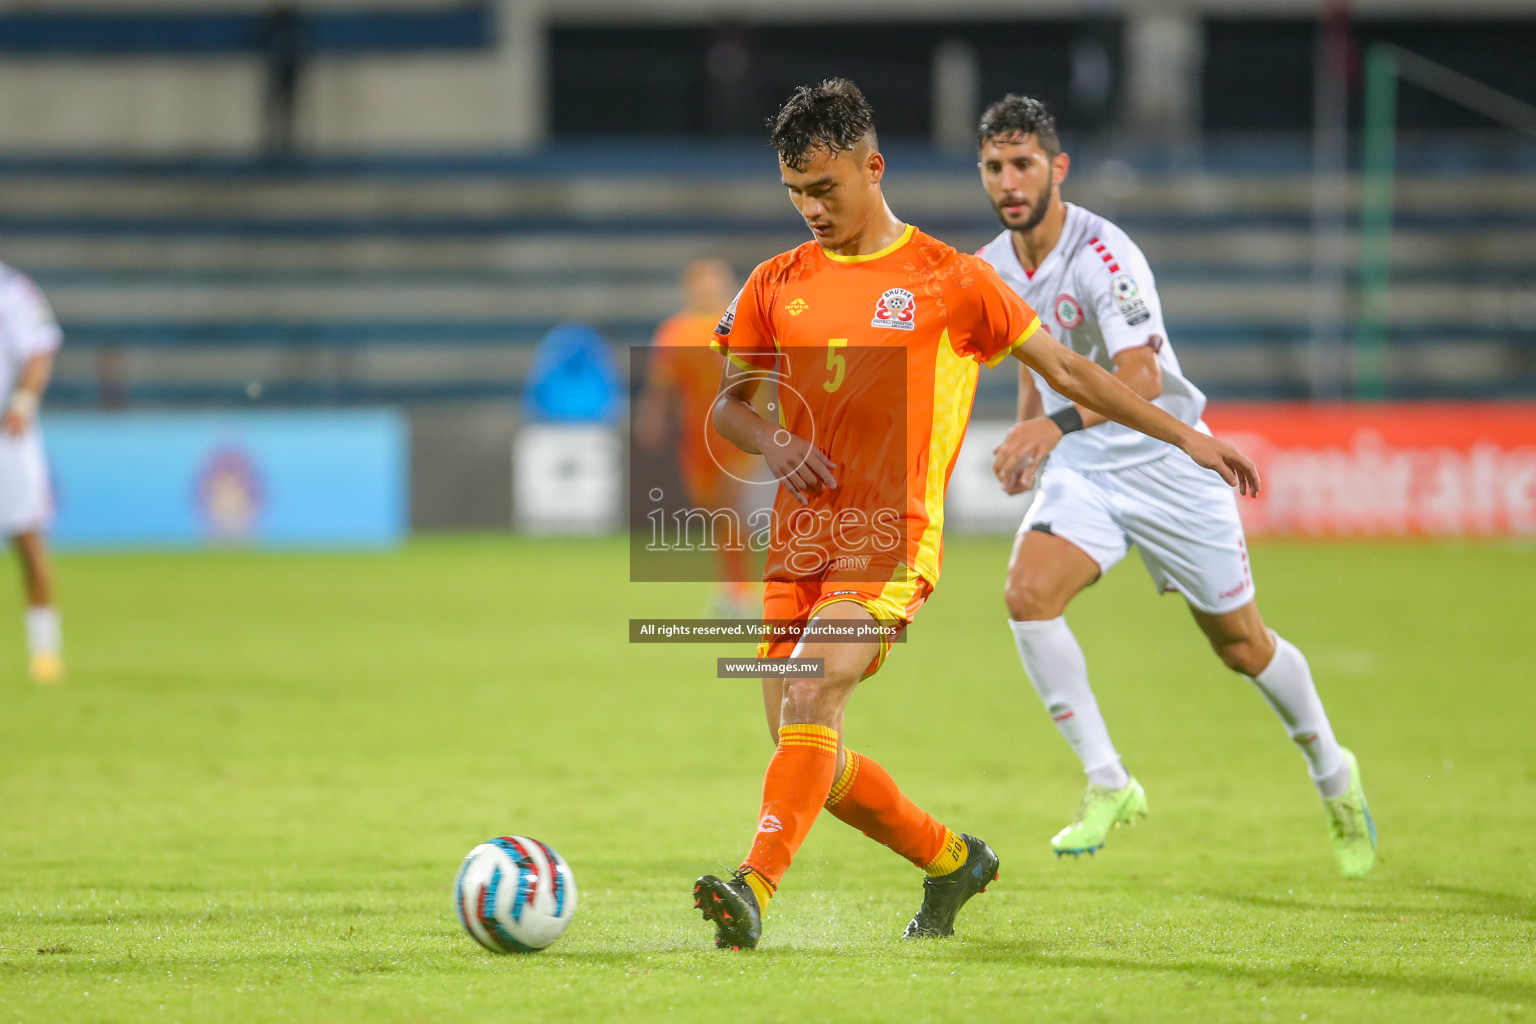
(684, 377)
(29, 337)
(1108, 488)
(284, 52)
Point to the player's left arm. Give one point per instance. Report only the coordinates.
(1097, 390)
(25, 398)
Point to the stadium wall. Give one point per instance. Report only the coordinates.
(363, 477)
(884, 10)
(1391, 470)
(275, 479)
(1400, 469)
(117, 87)
(130, 80)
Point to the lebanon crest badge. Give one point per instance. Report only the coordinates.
(897, 308)
(1068, 312)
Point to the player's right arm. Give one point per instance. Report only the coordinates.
(993, 322)
(1129, 313)
(751, 359)
(1031, 404)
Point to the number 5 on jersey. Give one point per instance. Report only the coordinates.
(837, 364)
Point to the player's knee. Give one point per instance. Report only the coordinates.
(1243, 656)
(1030, 600)
(812, 700)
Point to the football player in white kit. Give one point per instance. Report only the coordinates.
(29, 337)
(1107, 488)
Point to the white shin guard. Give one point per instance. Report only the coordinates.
(1286, 684)
(1055, 664)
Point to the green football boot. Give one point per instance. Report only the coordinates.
(1350, 828)
(1101, 810)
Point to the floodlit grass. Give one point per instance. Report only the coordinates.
(249, 800)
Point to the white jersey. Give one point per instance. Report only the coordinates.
(27, 327)
(1095, 293)
(27, 330)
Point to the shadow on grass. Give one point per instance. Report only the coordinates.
(904, 951)
(667, 957)
(1498, 904)
(1468, 900)
(983, 951)
(1305, 975)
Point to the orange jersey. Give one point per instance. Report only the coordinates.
(683, 365)
(875, 359)
(695, 380)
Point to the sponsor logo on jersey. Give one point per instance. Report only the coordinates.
(729, 319)
(770, 823)
(897, 308)
(797, 307)
(1128, 299)
(1069, 312)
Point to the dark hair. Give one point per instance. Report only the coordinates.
(1016, 116)
(833, 116)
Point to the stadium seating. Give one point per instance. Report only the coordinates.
(423, 280)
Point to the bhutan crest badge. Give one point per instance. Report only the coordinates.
(897, 308)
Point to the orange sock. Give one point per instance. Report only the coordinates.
(798, 779)
(866, 797)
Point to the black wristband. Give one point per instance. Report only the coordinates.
(1068, 419)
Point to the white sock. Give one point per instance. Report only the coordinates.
(1286, 683)
(1055, 664)
(43, 633)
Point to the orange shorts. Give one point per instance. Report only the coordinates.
(895, 603)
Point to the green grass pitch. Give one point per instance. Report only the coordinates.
(249, 801)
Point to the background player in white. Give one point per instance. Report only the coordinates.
(1107, 488)
(29, 337)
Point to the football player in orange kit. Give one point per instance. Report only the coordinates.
(873, 334)
(684, 376)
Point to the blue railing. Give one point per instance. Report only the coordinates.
(32, 33)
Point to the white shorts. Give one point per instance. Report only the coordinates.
(1183, 519)
(26, 504)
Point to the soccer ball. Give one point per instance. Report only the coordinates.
(515, 895)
